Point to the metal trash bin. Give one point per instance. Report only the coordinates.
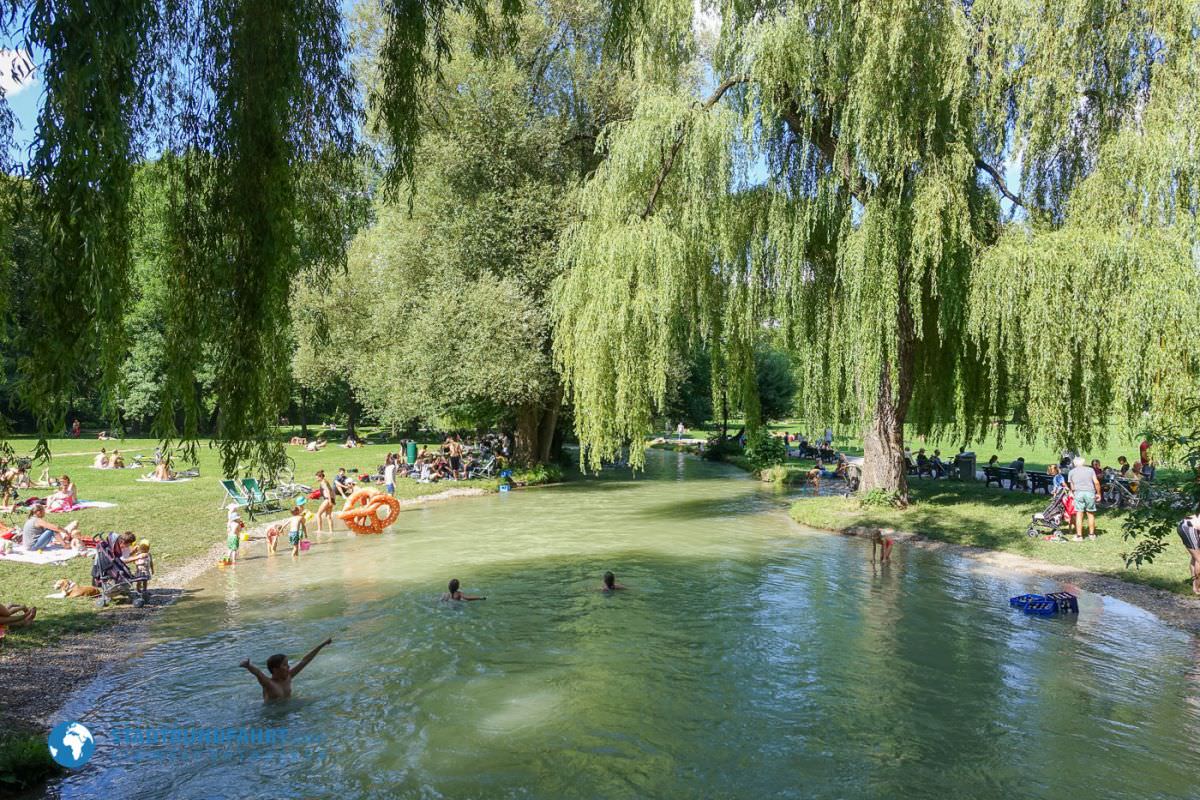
(964, 466)
(410, 452)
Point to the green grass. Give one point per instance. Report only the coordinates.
(970, 514)
(181, 520)
(24, 761)
(1037, 454)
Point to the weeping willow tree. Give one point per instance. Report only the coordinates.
(250, 107)
(838, 170)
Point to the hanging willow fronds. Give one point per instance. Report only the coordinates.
(95, 73)
(884, 129)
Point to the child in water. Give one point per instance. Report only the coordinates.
(610, 583)
(885, 547)
(277, 681)
(455, 594)
(233, 538)
(297, 529)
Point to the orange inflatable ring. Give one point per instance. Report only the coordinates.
(362, 512)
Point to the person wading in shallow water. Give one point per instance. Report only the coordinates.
(453, 593)
(276, 682)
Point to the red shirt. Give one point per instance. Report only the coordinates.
(1145, 451)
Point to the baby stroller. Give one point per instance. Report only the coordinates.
(112, 576)
(1054, 519)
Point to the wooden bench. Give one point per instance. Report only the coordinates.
(998, 475)
(1041, 481)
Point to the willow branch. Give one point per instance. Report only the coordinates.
(684, 126)
(998, 179)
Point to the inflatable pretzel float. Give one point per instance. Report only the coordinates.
(369, 511)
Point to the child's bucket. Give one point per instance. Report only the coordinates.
(305, 544)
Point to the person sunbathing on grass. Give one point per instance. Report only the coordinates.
(276, 682)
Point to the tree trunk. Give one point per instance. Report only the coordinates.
(883, 445)
(536, 424)
(304, 413)
(884, 466)
(352, 414)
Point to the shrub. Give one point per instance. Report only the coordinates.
(24, 761)
(764, 450)
(777, 474)
(719, 449)
(881, 498)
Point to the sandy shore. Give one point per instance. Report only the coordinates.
(1178, 611)
(37, 682)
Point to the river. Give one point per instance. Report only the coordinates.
(749, 659)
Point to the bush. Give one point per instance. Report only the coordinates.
(537, 475)
(719, 449)
(778, 474)
(24, 761)
(764, 450)
(880, 498)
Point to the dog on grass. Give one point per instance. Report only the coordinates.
(70, 588)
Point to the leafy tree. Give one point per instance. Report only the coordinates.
(1152, 525)
(456, 284)
(883, 131)
(775, 383)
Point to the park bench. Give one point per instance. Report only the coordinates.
(998, 475)
(1042, 481)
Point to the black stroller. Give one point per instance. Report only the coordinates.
(113, 577)
(1054, 519)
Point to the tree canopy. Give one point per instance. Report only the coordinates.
(838, 169)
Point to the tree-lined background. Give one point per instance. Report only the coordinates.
(585, 218)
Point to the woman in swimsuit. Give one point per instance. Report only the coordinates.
(325, 510)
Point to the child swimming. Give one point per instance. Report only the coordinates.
(455, 594)
(277, 681)
(610, 583)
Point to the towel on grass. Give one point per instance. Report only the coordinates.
(56, 555)
(82, 504)
(156, 480)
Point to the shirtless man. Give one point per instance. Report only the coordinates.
(454, 447)
(278, 684)
(455, 594)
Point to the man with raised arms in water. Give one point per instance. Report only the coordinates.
(455, 594)
(610, 583)
(277, 685)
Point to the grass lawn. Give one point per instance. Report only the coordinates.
(181, 520)
(1037, 455)
(970, 514)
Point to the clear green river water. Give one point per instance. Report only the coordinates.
(749, 659)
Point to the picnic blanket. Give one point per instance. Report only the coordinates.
(156, 480)
(80, 506)
(55, 555)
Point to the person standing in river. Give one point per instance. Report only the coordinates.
(325, 509)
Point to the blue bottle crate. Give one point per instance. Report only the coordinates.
(1022, 600)
(1041, 608)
